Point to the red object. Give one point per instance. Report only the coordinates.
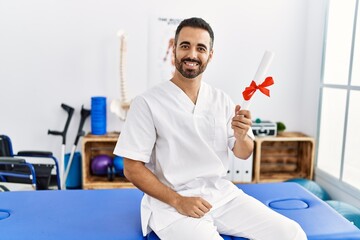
(250, 90)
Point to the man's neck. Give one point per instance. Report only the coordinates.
(189, 86)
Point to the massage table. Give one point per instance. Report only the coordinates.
(115, 214)
(316, 217)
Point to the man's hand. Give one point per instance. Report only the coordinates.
(145, 180)
(195, 207)
(241, 123)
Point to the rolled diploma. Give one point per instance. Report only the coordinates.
(260, 74)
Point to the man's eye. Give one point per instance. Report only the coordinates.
(184, 46)
(202, 49)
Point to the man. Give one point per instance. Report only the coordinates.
(175, 145)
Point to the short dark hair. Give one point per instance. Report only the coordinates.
(195, 23)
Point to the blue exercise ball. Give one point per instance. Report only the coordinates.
(312, 187)
(119, 163)
(100, 164)
(348, 211)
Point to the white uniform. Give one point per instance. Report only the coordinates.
(185, 145)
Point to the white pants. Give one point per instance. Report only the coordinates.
(244, 216)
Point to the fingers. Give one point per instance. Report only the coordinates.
(206, 204)
(195, 207)
(244, 113)
(201, 208)
(241, 122)
(237, 108)
(240, 133)
(239, 111)
(198, 213)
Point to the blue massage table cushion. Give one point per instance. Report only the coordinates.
(153, 236)
(318, 219)
(115, 214)
(71, 214)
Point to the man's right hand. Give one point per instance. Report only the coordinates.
(146, 181)
(195, 207)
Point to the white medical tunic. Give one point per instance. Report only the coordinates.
(183, 144)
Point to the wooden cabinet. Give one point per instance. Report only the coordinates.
(288, 155)
(94, 145)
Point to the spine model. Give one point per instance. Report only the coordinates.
(123, 88)
(121, 107)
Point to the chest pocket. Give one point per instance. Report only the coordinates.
(214, 131)
(205, 126)
(220, 141)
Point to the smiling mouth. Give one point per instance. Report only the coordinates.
(191, 63)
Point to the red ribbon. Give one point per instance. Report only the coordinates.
(250, 90)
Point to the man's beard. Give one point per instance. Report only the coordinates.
(189, 73)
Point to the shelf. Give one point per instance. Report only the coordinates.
(97, 182)
(93, 145)
(288, 155)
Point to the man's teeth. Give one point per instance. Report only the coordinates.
(191, 64)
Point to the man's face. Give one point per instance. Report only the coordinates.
(192, 52)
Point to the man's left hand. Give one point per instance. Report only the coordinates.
(241, 123)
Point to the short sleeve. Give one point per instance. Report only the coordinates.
(138, 135)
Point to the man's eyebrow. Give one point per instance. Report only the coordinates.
(199, 44)
(185, 42)
(202, 45)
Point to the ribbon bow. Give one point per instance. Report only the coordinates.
(250, 90)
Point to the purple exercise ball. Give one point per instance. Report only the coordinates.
(100, 163)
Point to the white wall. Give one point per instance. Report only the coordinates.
(54, 52)
(310, 84)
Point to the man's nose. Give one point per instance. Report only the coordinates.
(192, 53)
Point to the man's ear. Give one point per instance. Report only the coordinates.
(174, 48)
(211, 54)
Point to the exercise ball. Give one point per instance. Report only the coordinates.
(348, 211)
(312, 186)
(119, 166)
(119, 163)
(100, 164)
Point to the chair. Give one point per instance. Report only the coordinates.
(17, 168)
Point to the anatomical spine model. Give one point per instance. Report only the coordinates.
(120, 107)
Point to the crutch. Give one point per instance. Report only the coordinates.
(70, 112)
(84, 114)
